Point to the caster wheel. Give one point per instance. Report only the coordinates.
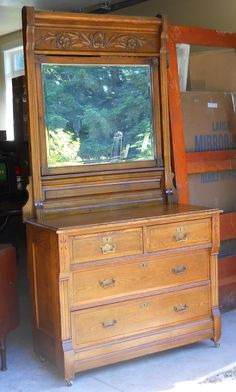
(69, 383)
(216, 343)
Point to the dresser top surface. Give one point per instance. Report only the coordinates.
(66, 220)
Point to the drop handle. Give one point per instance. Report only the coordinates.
(108, 246)
(181, 234)
(179, 269)
(106, 283)
(109, 323)
(181, 308)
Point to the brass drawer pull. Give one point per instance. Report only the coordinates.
(110, 282)
(108, 246)
(181, 308)
(179, 269)
(109, 323)
(181, 234)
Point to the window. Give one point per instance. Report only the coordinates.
(14, 66)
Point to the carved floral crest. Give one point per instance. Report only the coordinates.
(98, 39)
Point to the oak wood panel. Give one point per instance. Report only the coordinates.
(169, 186)
(106, 245)
(120, 320)
(180, 235)
(32, 118)
(65, 309)
(177, 129)
(91, 284)
(120, 34)
(45, 278)
(89, 190)
(145, 349)
(74, 223)
(136, 345)
(115, 188)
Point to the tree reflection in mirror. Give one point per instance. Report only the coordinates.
(97, 113)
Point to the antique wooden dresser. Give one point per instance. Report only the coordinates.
(117, 268)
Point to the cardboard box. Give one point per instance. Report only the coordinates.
(216, 189)
(212, 70)
(209, 120)
(210, 125)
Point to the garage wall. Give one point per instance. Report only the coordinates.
(215, 14)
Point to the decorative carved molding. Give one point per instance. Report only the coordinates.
(65, 310)
(64, 255)
(96, 40)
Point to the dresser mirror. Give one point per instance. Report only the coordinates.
(97, 114)
(98, 118)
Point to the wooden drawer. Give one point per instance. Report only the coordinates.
(93, 283)
(178, 235)
(106, 245)
(105, 323)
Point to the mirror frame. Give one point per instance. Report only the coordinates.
(156, 115)
(65, 37)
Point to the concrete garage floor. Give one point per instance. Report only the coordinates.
(174, 370)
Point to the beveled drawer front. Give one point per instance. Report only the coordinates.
(178, 235)
(105, 323)
(90, 284)
(106, 245)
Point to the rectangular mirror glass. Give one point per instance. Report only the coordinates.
(97, 113)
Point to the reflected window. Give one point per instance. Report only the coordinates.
(97, 113)
(13, 67)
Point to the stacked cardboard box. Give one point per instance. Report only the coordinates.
(212, 70)
(209, 120)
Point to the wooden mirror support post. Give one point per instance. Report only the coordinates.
(116, 270)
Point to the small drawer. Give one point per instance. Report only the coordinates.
(105, 323)
(93, 283)
(106, 245)
(178, 235)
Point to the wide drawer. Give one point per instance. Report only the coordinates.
(94, 283)
(105, 323)
(106, 245)
(178, 235)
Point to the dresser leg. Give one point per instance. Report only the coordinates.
(69, 383)
(69, 371)
(216, 343)
(217, 326)
(3, 353)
